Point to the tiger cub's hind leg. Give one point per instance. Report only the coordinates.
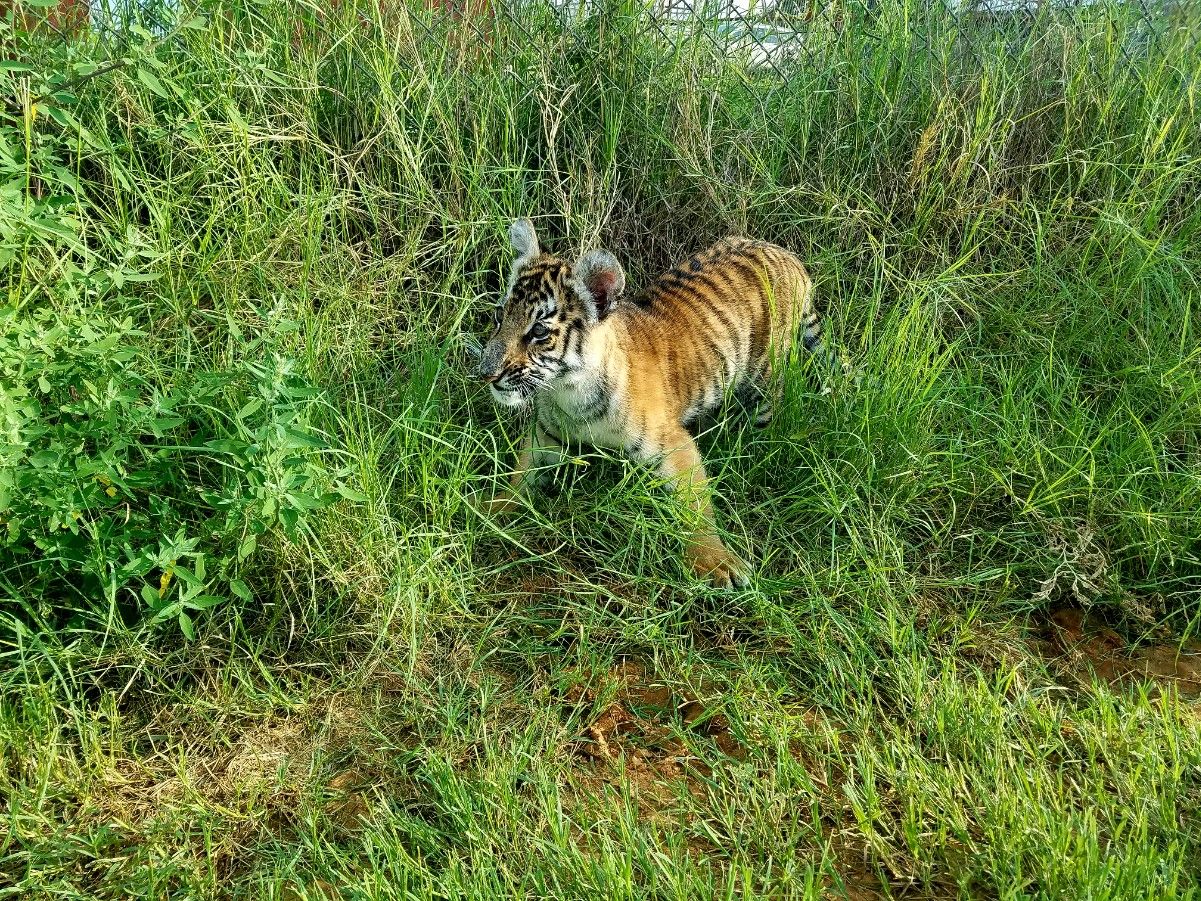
(829, 366)
(752, 397)
(679, 463)
(767, 391)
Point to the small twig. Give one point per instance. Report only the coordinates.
(72, 86)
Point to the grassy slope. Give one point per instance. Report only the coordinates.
(420, 701)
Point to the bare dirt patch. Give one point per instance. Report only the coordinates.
(256, 776)
(1080, 645)
(632, 741)
(858, 884)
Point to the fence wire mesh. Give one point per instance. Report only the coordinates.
(771, 36)
(767, 36)
(832, 100)
(779, 45)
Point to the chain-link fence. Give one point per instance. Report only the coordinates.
(769, 36)
(757, 48)
(620, 107)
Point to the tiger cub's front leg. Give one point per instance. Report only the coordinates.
(539, 451)
(681, 465)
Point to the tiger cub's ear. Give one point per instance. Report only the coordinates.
(524, 241)
(602, 278)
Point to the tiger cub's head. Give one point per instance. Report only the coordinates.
(541, 326)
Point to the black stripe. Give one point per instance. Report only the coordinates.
(571, 329)
(707, 317)
(598, 401)
(721, 291)
(755, 274)
(739, 263)
(679, 279)
(689, 291)
(812, 342)
(687, 367)
(713, 346)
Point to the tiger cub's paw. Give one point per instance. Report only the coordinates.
(715, 562)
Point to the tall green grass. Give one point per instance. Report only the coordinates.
(1003, 226)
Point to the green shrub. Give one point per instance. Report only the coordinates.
(131, 500)
(129, 492)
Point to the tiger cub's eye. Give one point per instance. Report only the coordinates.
(538, 332)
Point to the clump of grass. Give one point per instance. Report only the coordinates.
(1003, 225)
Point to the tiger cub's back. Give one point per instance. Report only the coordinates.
(729, 314)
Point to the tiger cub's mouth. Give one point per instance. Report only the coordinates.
(508, 396)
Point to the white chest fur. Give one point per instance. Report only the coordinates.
(585, 407)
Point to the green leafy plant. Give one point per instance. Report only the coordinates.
(48, 155)
(138, 500)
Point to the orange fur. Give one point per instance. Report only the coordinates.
(634, 374)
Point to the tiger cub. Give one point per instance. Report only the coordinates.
(634, 374)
